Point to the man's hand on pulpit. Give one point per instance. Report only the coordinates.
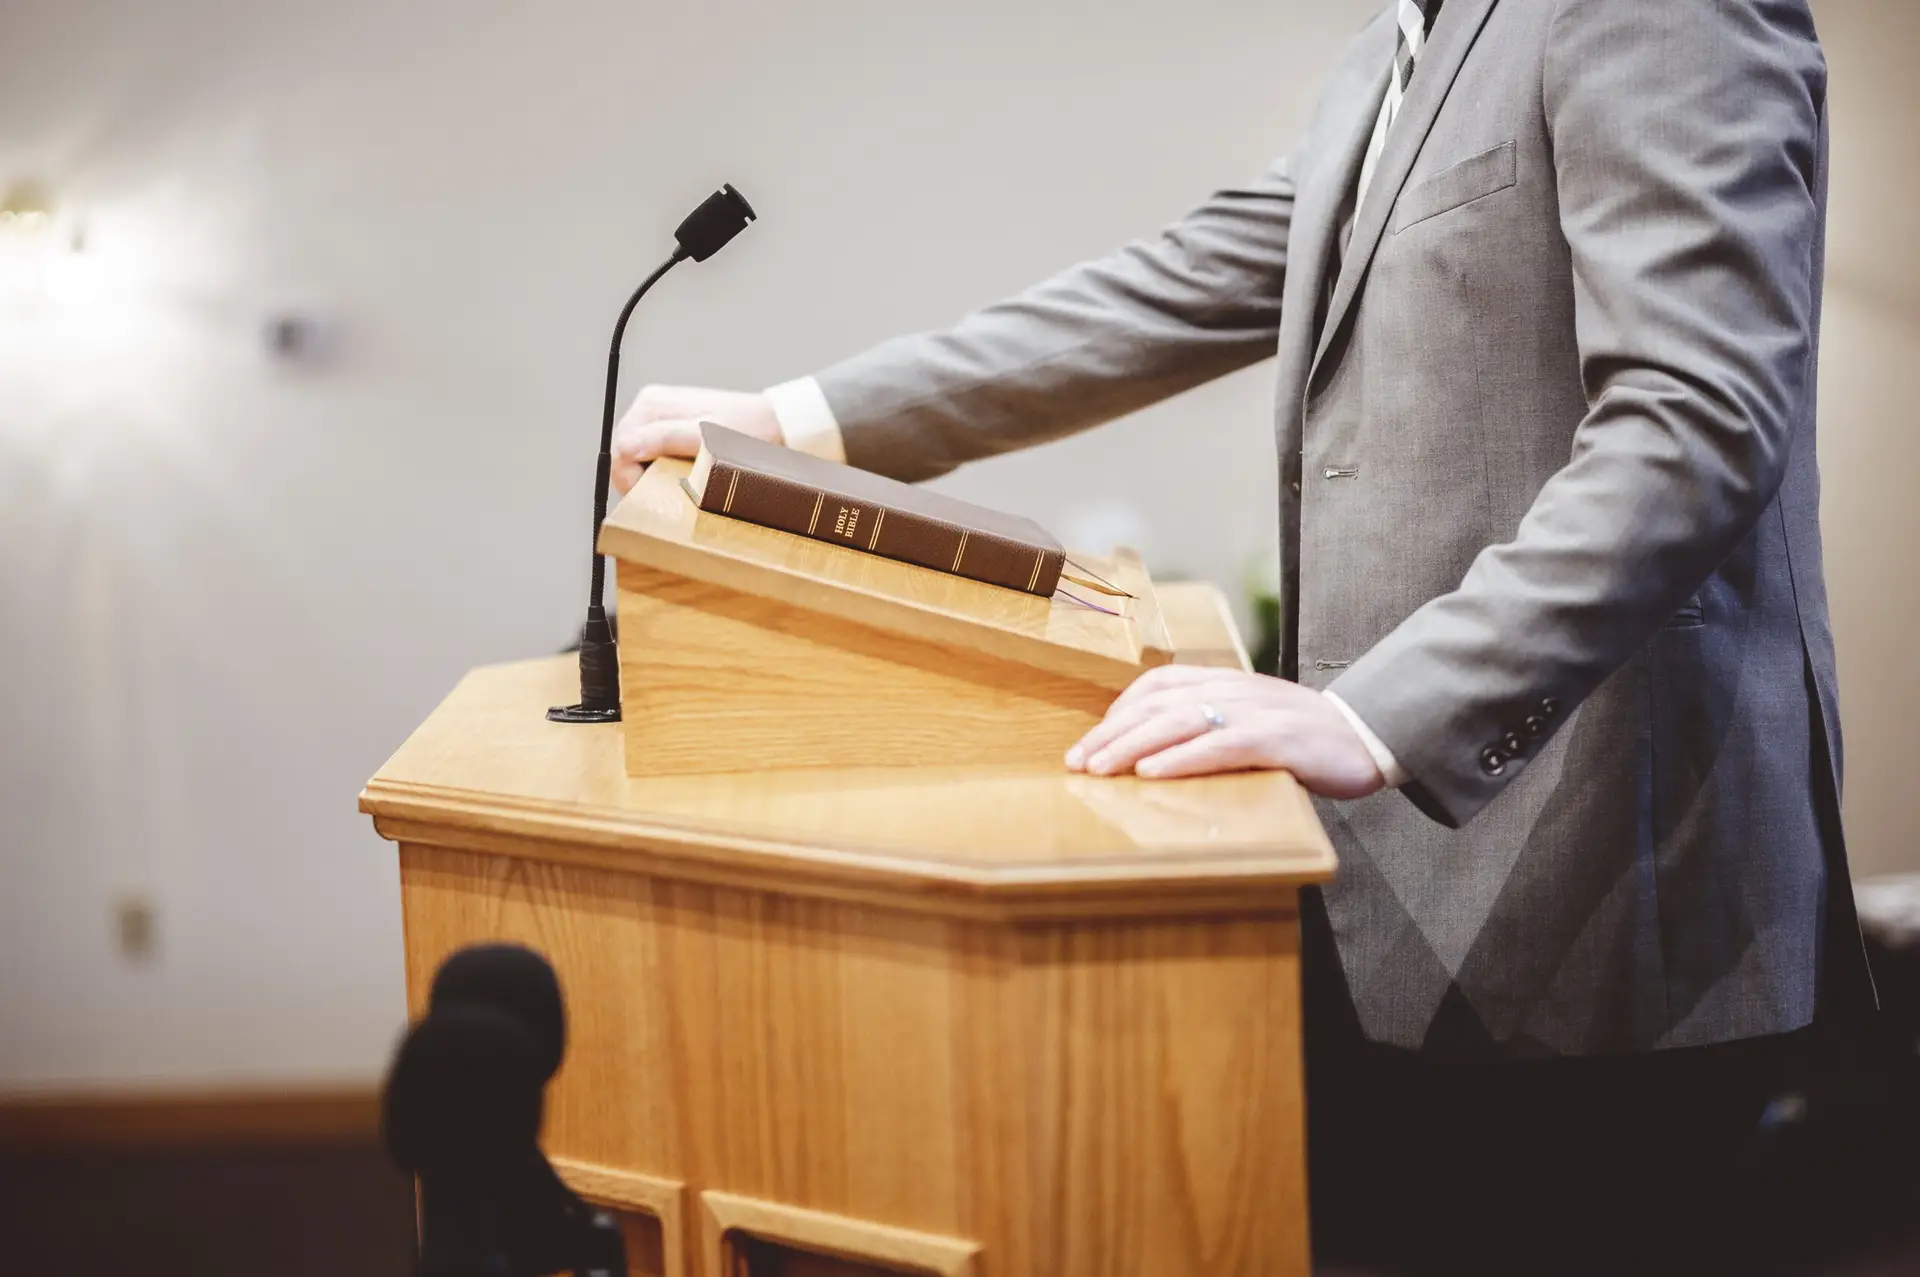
(664, 421)
(1187, 720)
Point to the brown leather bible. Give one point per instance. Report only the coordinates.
(776, 487)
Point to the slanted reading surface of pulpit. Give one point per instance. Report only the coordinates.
(744, 648)
(994, 1020)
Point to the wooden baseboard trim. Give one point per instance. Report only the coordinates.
(51, 1123)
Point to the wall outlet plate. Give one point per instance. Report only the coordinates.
(136, 928)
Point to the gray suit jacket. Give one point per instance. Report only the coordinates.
(1549, 499)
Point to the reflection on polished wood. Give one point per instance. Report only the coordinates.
(1040, 1021)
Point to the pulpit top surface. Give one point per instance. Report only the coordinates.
(486, 771)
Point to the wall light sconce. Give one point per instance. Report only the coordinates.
(26, 209)
(43, 255)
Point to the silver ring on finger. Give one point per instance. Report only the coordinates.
(1215, 719)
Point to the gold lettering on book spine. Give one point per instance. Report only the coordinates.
(962, 550)
(733, 483)
(818, 501)
(878, 519)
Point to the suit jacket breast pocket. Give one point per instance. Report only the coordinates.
(1471, 179)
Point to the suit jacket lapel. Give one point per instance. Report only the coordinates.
(1453, 36)
(1323, 196)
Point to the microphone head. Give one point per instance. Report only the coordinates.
(463, 1097)
(720, 217)
(514, 981)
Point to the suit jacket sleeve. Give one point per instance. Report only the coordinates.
(1096, 342)
(1688, 140)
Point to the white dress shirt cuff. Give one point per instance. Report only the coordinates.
(806, 419)
(1383, 758)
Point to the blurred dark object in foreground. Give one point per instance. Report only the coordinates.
(461, 1113)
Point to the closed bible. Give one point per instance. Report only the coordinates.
(774, 486)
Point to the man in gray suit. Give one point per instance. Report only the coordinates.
(1543, 280)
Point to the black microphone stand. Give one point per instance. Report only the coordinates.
(599, 654)
(706, 231)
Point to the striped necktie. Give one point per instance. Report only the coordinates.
(1416, 18)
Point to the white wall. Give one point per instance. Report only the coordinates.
(1870, 391)
(228, 588)
(1870, 459)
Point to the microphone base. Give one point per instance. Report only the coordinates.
(599, 674)
(583, 714)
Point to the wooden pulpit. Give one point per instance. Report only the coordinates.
(862, 982)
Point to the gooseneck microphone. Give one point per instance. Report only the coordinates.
(707, 230)
(461, 1112)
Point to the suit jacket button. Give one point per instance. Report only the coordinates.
(1515, 744)
(1550, 707)
(1536, 726)
(1492, 761)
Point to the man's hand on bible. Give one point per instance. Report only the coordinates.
(664, 421)
(1187, 720)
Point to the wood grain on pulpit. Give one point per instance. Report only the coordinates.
(744, 648)
(999, 840)
(723, 681)
(656, 525)
(1110, 1097)
(769, 1238)
(1043, 1022)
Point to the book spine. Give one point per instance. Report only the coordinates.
(887, 531)
(765, 499)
